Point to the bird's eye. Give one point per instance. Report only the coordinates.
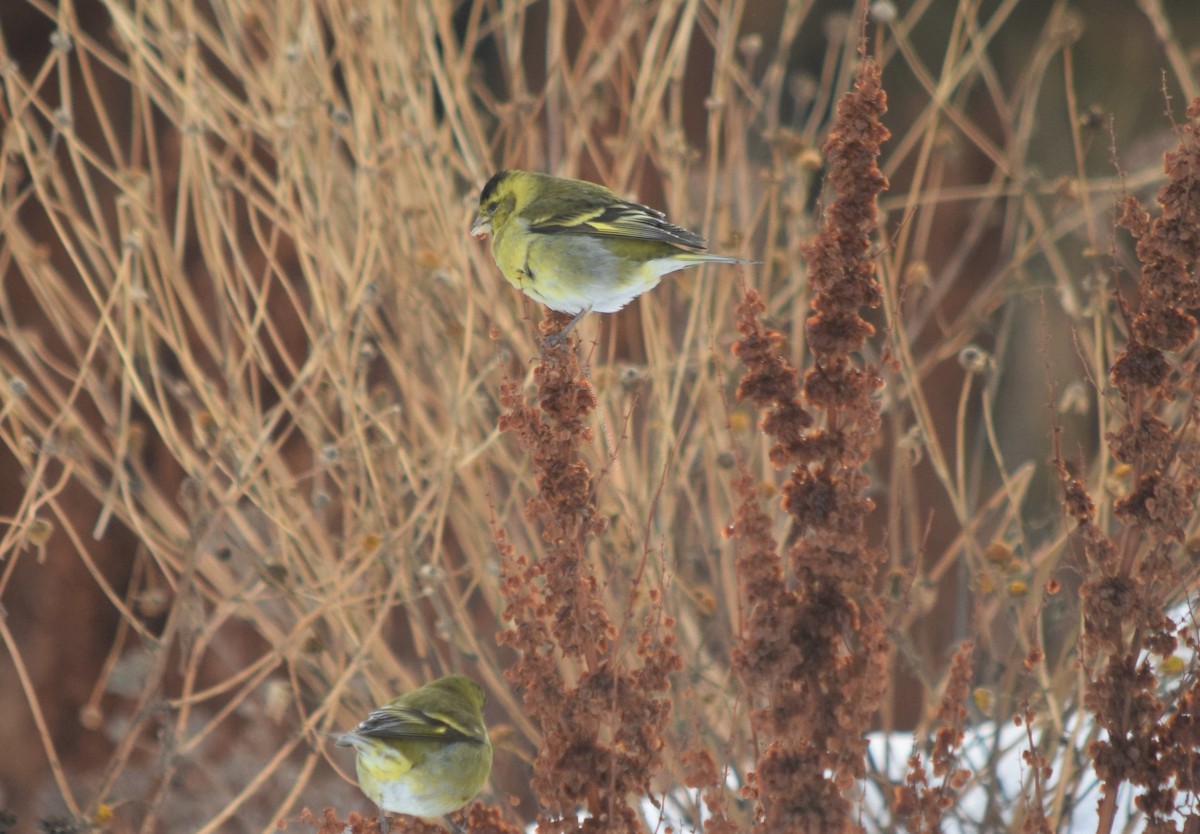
(490, 208)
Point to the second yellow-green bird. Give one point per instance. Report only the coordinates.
(575, 246)
(427, 752)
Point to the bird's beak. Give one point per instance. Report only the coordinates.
(481, 228)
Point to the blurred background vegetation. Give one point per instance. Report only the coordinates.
(251, 362)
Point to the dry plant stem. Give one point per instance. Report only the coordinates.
(1035, 816)
(917, 804)
(813, 658)
(601, 717)
(43, 729)
(1131, 575)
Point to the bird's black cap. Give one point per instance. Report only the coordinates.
(490, 186)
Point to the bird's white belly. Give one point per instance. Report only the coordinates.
(583, 274)
(433, 796)
(401, 799)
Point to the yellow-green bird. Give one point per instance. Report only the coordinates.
(427, 752)
(576, 246)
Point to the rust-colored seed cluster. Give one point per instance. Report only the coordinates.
(603, 731)
(813, 658)
(1130, 574)
(919, 804)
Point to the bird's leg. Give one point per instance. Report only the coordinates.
(384, 821)
(559, 337)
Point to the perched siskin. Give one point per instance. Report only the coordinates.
(427, 752)
(576, 246)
